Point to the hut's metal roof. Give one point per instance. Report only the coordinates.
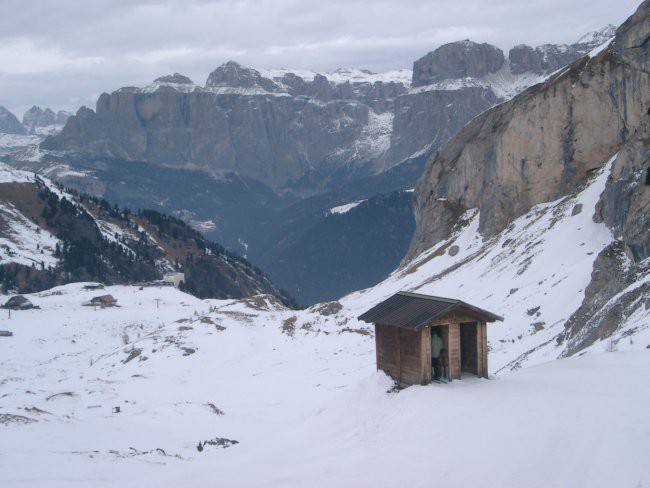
(414, 311)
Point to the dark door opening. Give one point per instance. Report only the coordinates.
(469, 356)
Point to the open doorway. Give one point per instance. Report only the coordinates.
(469, 354)
(443, 332)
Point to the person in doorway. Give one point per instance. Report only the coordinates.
(436, 349)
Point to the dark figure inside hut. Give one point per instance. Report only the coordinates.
(436, 348)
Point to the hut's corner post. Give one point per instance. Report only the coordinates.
(426, 355)
(377, 344)
(484, 349)
(454, 351)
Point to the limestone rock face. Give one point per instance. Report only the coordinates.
(548, 58)
(540, 145)
(430, 118)
(274, 139)
(234, 75)
(457, 60)
(524, 59)
(543, 145)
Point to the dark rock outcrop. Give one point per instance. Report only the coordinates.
(234, 75)
(176, 78)
(548, 58)
(524, 59)
(457, 60)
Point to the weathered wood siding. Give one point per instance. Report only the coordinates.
(411, 353)
(386, 340)
(401, 353)
(405, 355)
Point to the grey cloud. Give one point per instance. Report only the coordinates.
(126, 42)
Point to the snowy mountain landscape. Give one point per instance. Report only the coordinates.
(205, 388)
(271, 151)
(153, 356)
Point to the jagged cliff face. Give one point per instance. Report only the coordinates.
(457, 60)
(537, 147)
(291, 135)
(274, 131)
(299, 133)
(544, 145)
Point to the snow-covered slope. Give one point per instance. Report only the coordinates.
(248, 393)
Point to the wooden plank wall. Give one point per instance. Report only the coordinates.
(387, 343)
(401, 353)
(405, 355)
(411, 356)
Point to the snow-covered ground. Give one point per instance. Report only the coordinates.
(294, 399)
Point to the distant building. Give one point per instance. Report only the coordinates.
(103, 301)
(175, 278)
(404, 324)
(18, 302)
(97, 286)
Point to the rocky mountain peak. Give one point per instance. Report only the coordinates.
(457, 60)
(234, 75)
(37, 117)
(9, 124)
(176, 78)
(597, 37)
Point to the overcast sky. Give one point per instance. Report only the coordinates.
(63, 53)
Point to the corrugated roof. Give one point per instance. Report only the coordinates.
(414, 311)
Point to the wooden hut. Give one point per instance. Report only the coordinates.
(403, 325)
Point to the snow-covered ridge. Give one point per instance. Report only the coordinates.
(337, 77)
(598, 36)
(503, 83)
(348, 75)
(162, 85)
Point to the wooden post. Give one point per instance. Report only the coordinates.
(377, 345)
(399, 356)
(426, 355)
(454, 351)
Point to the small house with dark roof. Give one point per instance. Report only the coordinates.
(403, 328)
(18, 302)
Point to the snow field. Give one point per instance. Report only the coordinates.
(306, 406)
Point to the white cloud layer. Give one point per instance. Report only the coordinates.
(60, 53)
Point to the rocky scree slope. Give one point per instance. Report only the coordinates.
(543, 145)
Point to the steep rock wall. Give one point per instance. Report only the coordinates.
(540, 145)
